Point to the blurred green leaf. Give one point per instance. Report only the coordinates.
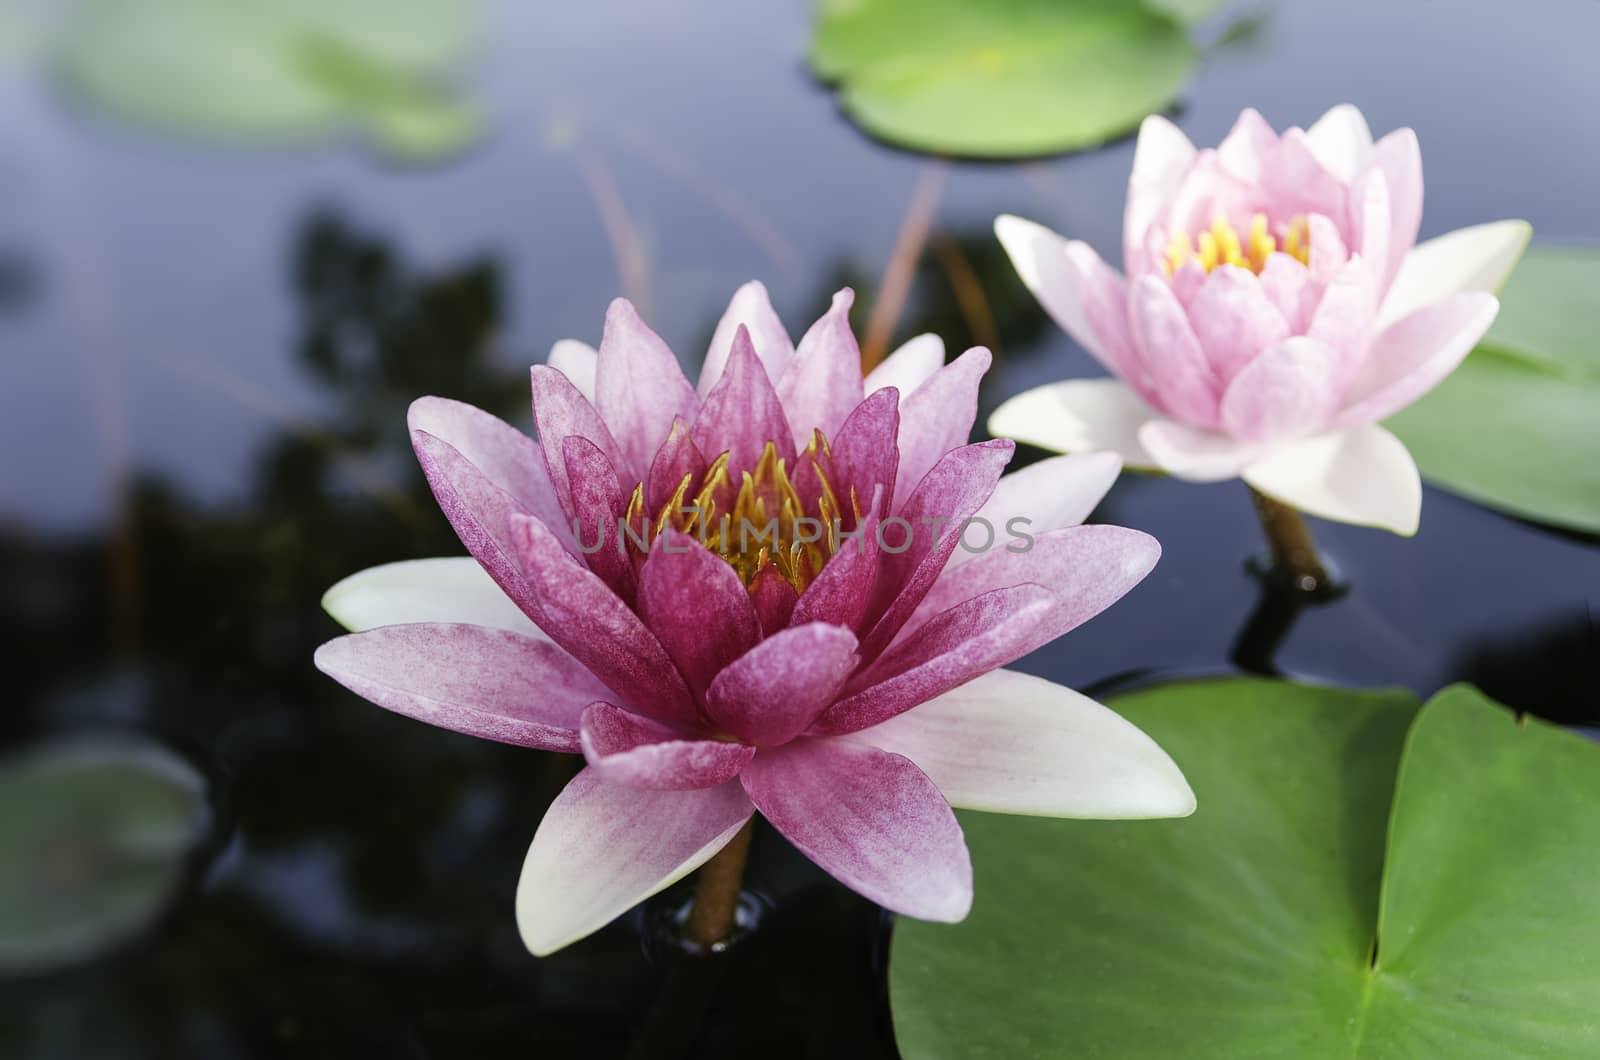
(1280, 920)
(971, 77)
(1517, 426)
(94, 839)
(293, 70)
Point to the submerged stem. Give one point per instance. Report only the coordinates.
(1294, 554)
(714, 914)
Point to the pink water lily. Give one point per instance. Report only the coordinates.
(1275, 307)
(846, 688)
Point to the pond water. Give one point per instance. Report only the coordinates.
(207, 361)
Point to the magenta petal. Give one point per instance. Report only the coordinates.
(694, 602)
(560, 411)
(750, 308)
(938, 418)
(489, 683)
(947, 497)
(1234, 319)
(771, 693)
(742, 413)
(599, 503)
(952, 648)
(841, 594)
(676, 460)
(1288, 390)
(865, 455)
(774, 599)
(823, 382)
(624, 748)
(639, 388)
(1088, 568)
(869, 818)
(584, 616)
(502, 454)
(1171, 355)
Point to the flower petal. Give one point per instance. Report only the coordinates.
(488, 683)
(771, 693)
(560, 411)
(1399, 158)
(624, 748)
(1171, 354)
(694, 602)
(1082, 294)
(1087, 568)
(1234, 320)
(1363, 476)
(742, 413)
(604, 848)
(1079, 415)
(866, 453)
(505, 457)
(1478, 258)
(639, 388)
(1160, 160)
(1343, 319)
(1287, 389)
(909, 366)
(751, 308)
(823, 382)
(1194, 455)
(599, 506)
(870, 819)
(1413, 356)
(447, 589)
(938, 418)
(1341, 141)
(842, 593)
(576, 361)
(585, 617)
(1008, 742)
(951, 648)
(1048, 495)
(774, 599)
(1287, 284)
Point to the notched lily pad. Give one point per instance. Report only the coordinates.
(971, 77)
(1517, 426)
(1291, 916)
(96, 835)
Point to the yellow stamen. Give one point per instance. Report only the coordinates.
(1221, 245)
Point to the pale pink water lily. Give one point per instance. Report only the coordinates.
(850, 695)
(1275, 307)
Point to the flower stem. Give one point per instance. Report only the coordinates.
(1294, 554)
(714, 914)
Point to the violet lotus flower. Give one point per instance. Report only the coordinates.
(849, 692)
(1274, 309)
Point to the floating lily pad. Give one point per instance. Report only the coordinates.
(95, 838)
(1292, 916)
(973, 77)
(1517, 426)
(291, 70)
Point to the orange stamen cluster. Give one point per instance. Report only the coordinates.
(1221, 244)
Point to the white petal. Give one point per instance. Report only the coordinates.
(449, 589)
(908, 367)
(1196, 455)
(576, 361)
(1051, 494)
(604, 848)
(1341, 140)
(1011, 743)
(1076, 416)
(1478, 258)
(1363, 476)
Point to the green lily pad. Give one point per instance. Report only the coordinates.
(1314, 907)
(95, 838)
(288, 71)
(1517, 426)
(997, 80)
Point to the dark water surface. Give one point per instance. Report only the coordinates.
(206, 364)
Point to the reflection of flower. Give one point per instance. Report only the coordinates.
(1274, 309)
(702, 682)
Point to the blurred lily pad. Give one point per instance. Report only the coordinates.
(1026, 77)
(288, 71)
(1360, 881)
(95, 839)
(1517, 426)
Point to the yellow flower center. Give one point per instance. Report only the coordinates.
(1221, 244)
(763, 521)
